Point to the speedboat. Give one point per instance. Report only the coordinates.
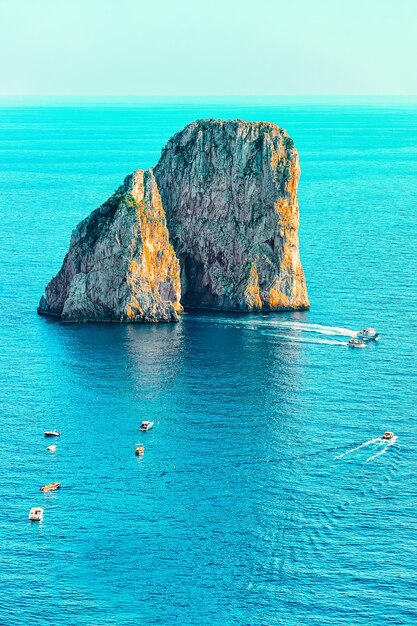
(51, 433)
(146, 425)
(51, 448)
(387, 435)
(51, 487)
(36, 514)
(356, 343)
(368, 334)
(140, 450)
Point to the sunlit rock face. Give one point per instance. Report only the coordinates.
(120, 265)
(213, 225)
(229, 190)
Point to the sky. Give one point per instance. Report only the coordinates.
(208, 48)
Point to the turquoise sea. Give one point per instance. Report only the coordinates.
(243, 510)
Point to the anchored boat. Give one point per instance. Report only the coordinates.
(140, 450)
(51, 433)
(146, 425)
(36, 514)
(51, 487)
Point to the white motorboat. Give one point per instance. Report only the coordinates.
(51, 448)
(51, 433)
(388, 435)
(146, 425)
(356, 343)
(36, 514)
(368, 334)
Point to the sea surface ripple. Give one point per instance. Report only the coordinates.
(256, 502)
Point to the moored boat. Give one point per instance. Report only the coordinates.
(146, 425)
(36, 514)
(51, 433)
(51, 448)
(140, 450)
(51, 487)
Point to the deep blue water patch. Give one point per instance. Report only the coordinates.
(242, 510)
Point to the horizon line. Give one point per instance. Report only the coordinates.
(193, 96)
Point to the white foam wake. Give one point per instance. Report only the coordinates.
(362, 445)
(298, 339)
(378, 454)
(302, 327)
(317, 328)
(390, 443)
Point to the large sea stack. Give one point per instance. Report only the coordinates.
(213, 225)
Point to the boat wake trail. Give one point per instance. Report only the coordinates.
(362, 445)
(390, 443)
(300, 339)
(319, 329)
(296, 330)
(375, 440)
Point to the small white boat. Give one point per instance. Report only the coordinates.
(146, 425)
(368, 334)
(140, 449)
(388, 435)
(356, 343)
(36, 514)
(51, 448)
(51, 433)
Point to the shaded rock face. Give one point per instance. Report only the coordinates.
(213, 225)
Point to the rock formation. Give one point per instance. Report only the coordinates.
(120, 265)
(213, 225)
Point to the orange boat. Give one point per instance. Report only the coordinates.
(51, 487)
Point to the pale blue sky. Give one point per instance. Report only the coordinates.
(222, 47)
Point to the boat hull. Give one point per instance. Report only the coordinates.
(145, 427)
(47, 488)
(35, 514)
